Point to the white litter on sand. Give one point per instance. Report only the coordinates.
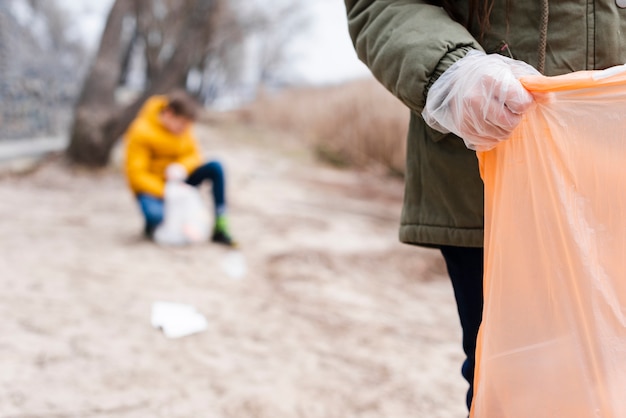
(234, 265)
(177, 320)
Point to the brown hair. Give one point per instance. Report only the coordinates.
(180, 103)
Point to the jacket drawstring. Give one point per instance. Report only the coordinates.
(543, 36)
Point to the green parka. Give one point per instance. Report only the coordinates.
(408, 44)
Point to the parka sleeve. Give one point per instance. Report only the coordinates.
(406, 44)
(140, 178)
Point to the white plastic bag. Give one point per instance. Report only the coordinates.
(186, 219)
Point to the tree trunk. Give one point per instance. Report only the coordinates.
(89, 144)
(99, 124)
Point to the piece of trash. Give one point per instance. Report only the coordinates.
(177, 319)
(234, 265)
(186, 217)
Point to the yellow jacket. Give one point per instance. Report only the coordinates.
(150, 148)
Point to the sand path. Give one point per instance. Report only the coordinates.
(334, 318)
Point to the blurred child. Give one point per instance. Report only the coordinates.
(160, 136)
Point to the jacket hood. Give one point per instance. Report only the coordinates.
(152, 108)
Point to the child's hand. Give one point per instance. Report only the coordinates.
(176, 172)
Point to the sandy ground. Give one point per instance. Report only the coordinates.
(334, 318)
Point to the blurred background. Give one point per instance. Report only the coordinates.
(250, 46)
(61, 60)
(319, 313)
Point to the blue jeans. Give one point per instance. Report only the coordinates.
(465, 268)
(152, 207)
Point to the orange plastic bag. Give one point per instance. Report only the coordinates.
(553, 339)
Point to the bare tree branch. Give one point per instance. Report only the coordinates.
(98, 120)
(178, 36)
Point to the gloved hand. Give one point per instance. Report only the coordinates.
(480, 99)
(175, 172)
(175, 187)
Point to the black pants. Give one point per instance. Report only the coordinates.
(465, 267)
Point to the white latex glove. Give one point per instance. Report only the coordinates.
(480, 99)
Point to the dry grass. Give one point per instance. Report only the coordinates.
(358, 124)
